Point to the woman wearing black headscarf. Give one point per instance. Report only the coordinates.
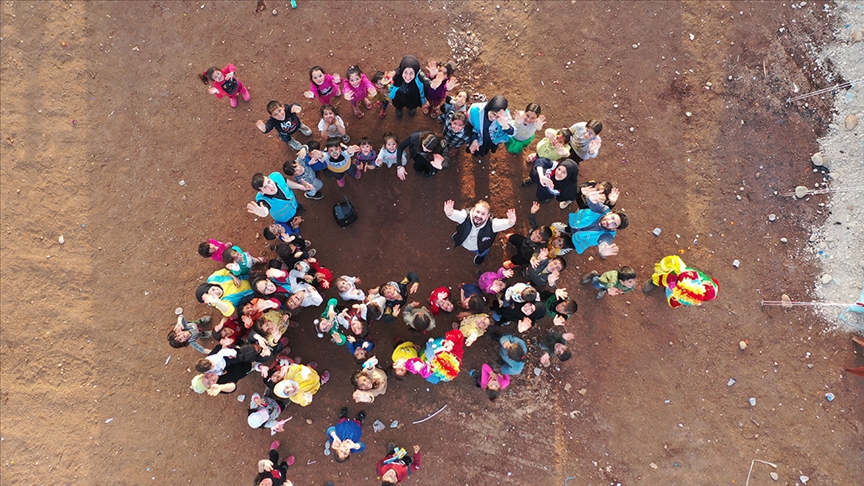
(556, 180)
(492, 125)
(408, 87)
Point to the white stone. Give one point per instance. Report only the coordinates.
(826, 279)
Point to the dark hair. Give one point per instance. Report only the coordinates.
(388, 483)
(172, 340)
(271, 107)
(528, 294)
(545, 233)
(378, 76)
(373, 312)
(421, 322)
(355, 376)
(516, 353)
(567, 134)
(448, 66)
(255, 284)
(533, 108)
(364, 140)
(570, 307)
(563, 262)
(226, 255)
(204, 249)
(458, 115)
(288, 168)
(204, 365)
(313, 145)
(595, 125)
(363, 332)
(492, 394)
(388, 136)
(329, 107)
(353, 70)
(476, 303)
(565, 355)
(604, 186)
(429, 141)
(268, 235)
(333, 142)
(207, 75)
(315, 68)
(624, 222)
(626, 273)
(257, 181)
(339, 460)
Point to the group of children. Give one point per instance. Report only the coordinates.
(260, 298)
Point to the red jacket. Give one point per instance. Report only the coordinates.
(402, 470)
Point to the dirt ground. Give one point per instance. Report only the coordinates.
(103, 117)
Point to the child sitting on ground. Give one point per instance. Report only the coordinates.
(613, 282)
(418, 318)
(347, 287)
(187, 334)
(213, 249)
(490, 381)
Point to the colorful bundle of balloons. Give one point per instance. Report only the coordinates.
(684, 285)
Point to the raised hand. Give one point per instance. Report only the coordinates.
(511, 216)
(448, 207)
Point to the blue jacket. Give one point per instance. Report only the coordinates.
(281, 210)
(512, 367)
(420, 86)
(475, 118)
(582, 237)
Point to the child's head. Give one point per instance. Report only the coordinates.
(263, 286)
(446, 67)
(531, 113)
(360, 354)
(390, 141)
(430, 143)
(474, 304)
(390, 292)
(379, 79)
(365, 145)
(399, 368)
(541, 234)
(457, 122)
(562, 352)
(567, 307)
(212, 74)
(179, 339)
(497, 285)
(359, 328)
(444, 304)
(373, 311)
(231, 256)
(354, 76)
(313, 145)
(594, 125)
(461, 99)
(421, 321)
(483, 322)
(342, 284)
(206, 249)
(334, 146)
(514, 351)
(316, 75)
(329, 113)
(556, 265)
(276, 110)
(627, 277)
(528, 294)
(203, 365)
(273, 231)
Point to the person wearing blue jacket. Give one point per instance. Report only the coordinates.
(408, 89)
(275, 197)
(596, 226)
(492, 125)
(513, 353)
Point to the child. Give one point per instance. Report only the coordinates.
(490, 381)
(347, 287)
(441, 81)
(527, 122)
(271, 472)
(454, 104)
(396, 294)
(239, 262)
(553, 146)
(545, 271)
(493, 282)
(389, 153)
(456, 133)
(360, 348)
(326, 325)
(608, 193)
(369, 382)
(225, 84)
(556, 344)
(187, 333)
(512, 353)
(397, 465)
(471, 299)
(560, 243)
(585, 143)
(404, 351)
(323, 86)
(322, 275)
(613, 282)
(473, 326)
(215, 362)
(366, 156)
(283, 231)
(439, 300)
(382, 87)
(300, 170)
(418, 318)
(357, 87)
(264, 412)
(332, 125)
(559, 306)
(519, 293)
(339, 160)
(213, 249)
(345, 436)
(286, 122)
(409, 87)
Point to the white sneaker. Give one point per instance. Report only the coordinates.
(565, 204)
(294, 144)
(305, 130)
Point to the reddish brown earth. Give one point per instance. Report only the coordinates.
(102, 117)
